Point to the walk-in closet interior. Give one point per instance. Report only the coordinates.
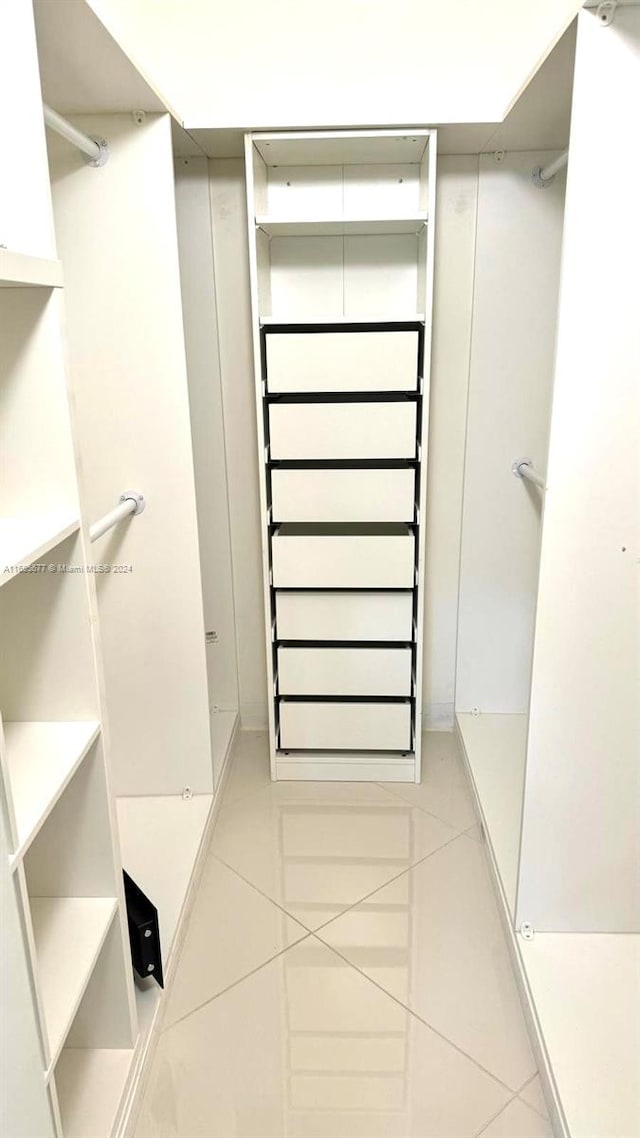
(329, 429)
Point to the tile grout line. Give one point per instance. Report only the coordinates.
(424, 1022)
(355, 904)
(494, 1117)
(240, 979)
(524, 1087)
(418, 806)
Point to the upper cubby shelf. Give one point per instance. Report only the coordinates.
(40, 760)
(24, 540)
(20, 270)
(331, 147)
(340, 226)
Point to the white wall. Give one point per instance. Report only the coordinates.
(580, 867)
(457, 186)
(348, 62)
(519, 234)
(116, 235)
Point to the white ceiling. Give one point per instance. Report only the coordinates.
(84, 70)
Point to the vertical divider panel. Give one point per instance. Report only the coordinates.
(117, 234)
(425, 280)
(580, 851)
(259, 375)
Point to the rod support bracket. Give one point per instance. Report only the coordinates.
(519, 462)
(102, 158)
(606, 12)
(137, 497)
(538, 180)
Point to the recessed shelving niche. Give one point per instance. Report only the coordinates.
(341, 225)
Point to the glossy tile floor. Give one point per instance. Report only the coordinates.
(344, 973)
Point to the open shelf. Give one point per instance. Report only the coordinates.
(371, 318)
(340, 226)
(586, 990)
(160, 838)
(69, 933)
(41, 758)
(89, 1084)
(495, 748)
(24, 540)
(20, 269)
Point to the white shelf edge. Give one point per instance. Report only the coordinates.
(275, 226)
(297, 321)
(33, 546)
(24, 270)
(90, 1083)
(69, 933)
(15, 757)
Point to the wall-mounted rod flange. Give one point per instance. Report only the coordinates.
(136, 497)
(102, 157)
(543, 176)
(96, 150)
(131, 502)
(524, 468)
(527, 931)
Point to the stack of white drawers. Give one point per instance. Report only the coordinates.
(342, 421)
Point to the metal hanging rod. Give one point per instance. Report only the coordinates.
(96, 149)
(543, 175)
(131, 502)
(523, 468)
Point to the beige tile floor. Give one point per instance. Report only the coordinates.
(344, 973)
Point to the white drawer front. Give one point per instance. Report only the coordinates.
(343, 495)
(342, 361)
(344, 616)
(342, 561)
(344, 671)
(342, 430)
(345, 726)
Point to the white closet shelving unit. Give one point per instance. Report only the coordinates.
(341, 231)
(67, 984)
(106, 758)
(549, 624)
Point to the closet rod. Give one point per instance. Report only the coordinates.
(543, 175)
(523, 468)
(131, 502)
(96, 149)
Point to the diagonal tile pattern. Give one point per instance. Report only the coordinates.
(453, 969)
(219, 952)
(518, 1120)
(444, 790)
(343, 974)
(533, 1095)
(317, 848)
(308, 1047)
